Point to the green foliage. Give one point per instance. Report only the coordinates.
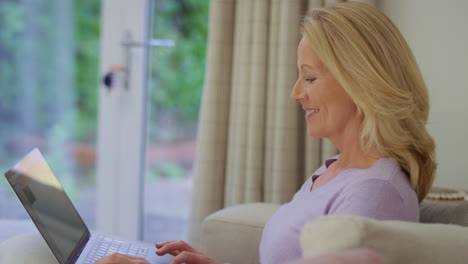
(35, 43)
(170, 170)
(176, 77)
(11, 25)
(178, 73)
(86, 76)
(32, 73)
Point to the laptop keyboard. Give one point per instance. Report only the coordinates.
(104, 246)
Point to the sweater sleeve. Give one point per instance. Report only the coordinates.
(373, 198)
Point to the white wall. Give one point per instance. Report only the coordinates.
(437, 32)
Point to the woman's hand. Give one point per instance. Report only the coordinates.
(121, 259)
(183, 253)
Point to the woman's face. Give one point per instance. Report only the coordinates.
(330, 112)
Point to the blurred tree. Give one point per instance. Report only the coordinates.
(178, 73)
(11, 26)
(176, 79)
(87, 37)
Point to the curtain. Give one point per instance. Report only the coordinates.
(252, 143)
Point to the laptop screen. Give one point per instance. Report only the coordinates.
(48, 206)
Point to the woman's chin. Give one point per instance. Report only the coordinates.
(315, 134)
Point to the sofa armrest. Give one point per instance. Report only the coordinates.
(25, 249)
(233, 234)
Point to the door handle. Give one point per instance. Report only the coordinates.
(128, 44)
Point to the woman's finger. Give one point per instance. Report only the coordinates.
(173, 253)
(118, 258)
(175, 248)
(190, 258)
(161, 244)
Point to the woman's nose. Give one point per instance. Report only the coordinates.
(296, 93)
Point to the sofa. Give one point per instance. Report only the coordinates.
(233, 235)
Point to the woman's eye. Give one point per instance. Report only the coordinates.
(310, 80)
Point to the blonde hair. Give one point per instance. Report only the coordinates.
(369, 57)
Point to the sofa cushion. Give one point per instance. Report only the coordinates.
(352, 256)
(447, 213)
(233, 234)
(396, 241)
(26, 248)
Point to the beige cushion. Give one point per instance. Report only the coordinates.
(447, 213)
(397, 242)
(352, 256)
(26, 248)
(233, 234)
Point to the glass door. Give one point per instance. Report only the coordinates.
(152, 58)
(175, 87)
(49, 54)
(100, 88)
(74, 82)
(122, 111)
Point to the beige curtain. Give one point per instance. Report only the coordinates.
(252, 144)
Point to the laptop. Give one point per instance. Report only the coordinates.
(59, 222)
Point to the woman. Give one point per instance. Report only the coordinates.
(360, 87)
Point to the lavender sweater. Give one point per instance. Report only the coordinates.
(382, 192)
